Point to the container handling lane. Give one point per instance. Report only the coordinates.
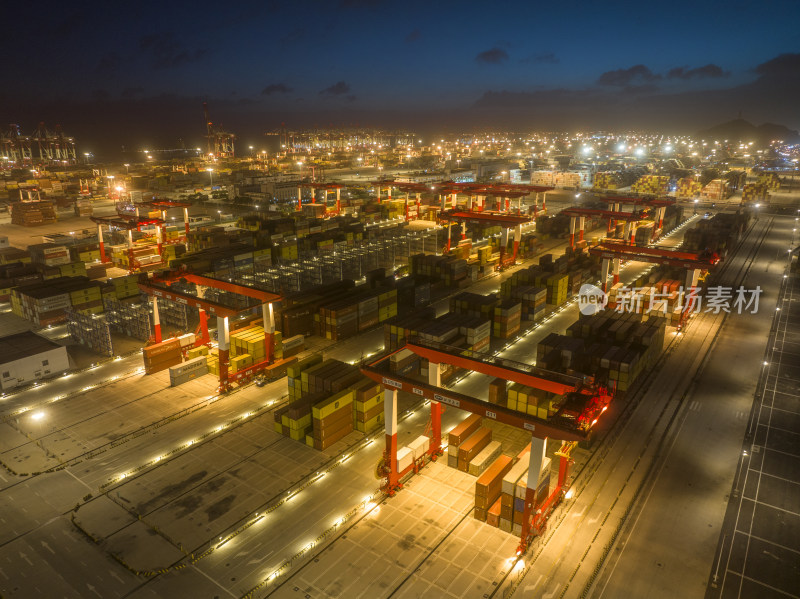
(276, 538)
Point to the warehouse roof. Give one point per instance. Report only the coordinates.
(22, 345)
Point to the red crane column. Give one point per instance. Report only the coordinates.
(156, 320)
(435, 379)
(419, 205)
(186, 219)
(268, 317)
(390, 454)
(223, 345)
(454, 200)
(159, 239)
(103, 257)
(299, 198)
(572, 231)
(582, 223)
(517, 239)
(537, 455)
(338, 197)
(204, 338)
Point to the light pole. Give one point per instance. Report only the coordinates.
(126, 168)
(211, 175)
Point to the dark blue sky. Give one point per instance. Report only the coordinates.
(418, 64)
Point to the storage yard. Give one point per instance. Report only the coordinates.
(412, 373)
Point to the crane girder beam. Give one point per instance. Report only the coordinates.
(537, 427)
(652, 255)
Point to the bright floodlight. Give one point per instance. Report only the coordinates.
(621, 148)
(639, 151)
(668, 149)
(37, 415)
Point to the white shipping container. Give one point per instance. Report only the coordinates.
(405, 457)
(522, 483)
(187, 339)
(419, 446)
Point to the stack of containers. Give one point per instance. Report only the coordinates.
(472, 446)
(498, 392)
(458, 435)
(715, 190)
(294, 420)
(607, 180)
(31, 214)
(520, 491)
(508, 487)
(368, 313)
(488, 488)
(196, 352)
(688, 188)
(368, 406)
(771, 180)
(161, 356)
(332, 419)
(557, 289)
(507, 319)
(191, 369)
(294, 373)
(339, 320)
(534, 302)
(387, 304)
(487, 456)
(651, 184)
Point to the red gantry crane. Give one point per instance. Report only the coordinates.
(582, 403)
(325, 187)
(507, 221)
(578, 216)
(659, 204)
(129, 223)
(612, 251)
(158, 286)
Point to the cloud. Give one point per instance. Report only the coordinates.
(339, 88)
(492, 56)
(276, 88)
(639, 90)
(784, 65)
(413, 36)
(166, 51)
(636, 74)
(351, 98)
(710, 71)
(544, 57)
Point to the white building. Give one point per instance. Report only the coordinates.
(27, 357)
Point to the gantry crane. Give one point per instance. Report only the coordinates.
(582, 405)
(159, 286)
(507, 221)
(658, 204)
(613, 251)
(578, 216)
(325, 187)
(220, 142)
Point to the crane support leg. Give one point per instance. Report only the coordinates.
(156, 320)
(538, 447)
(299, 198)
(186, 220)
(390, 455)
(615, 270)
(203, 326)
(582, 225)
(572, 231)
(604, 268)
(103, 258)
(268, 317)
(223, 341)
(435, 379)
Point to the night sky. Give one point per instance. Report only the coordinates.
(136, 73)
